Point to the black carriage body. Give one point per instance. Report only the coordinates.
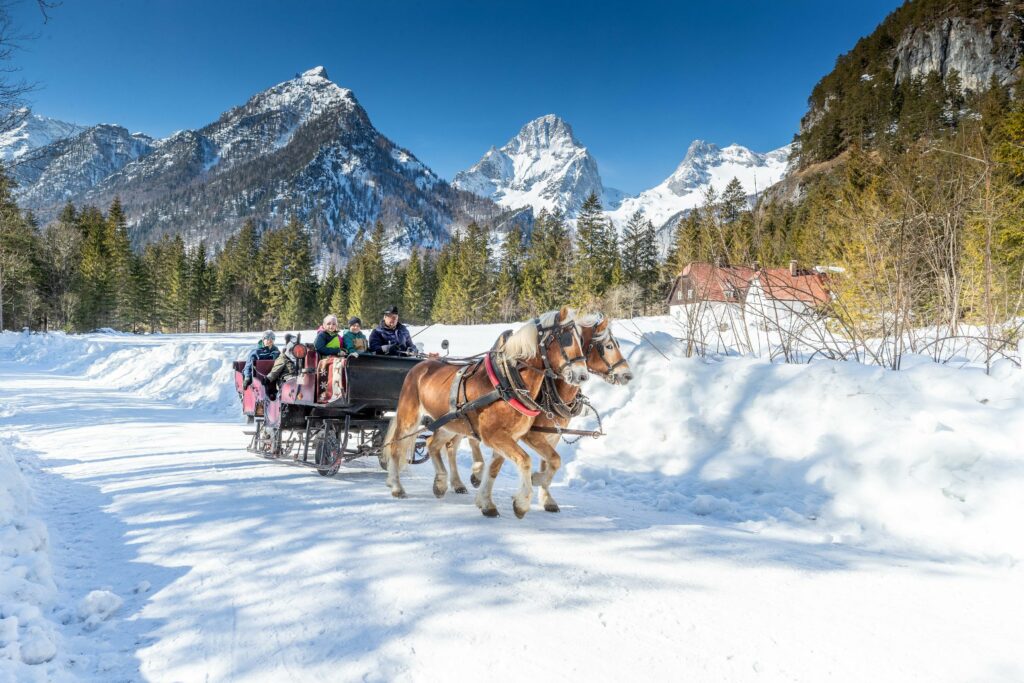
(297, 422)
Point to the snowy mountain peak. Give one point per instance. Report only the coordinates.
(543, 166)
(705, 165)
(316, 72)
(33, 131)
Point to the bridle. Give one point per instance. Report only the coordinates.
(600, 339)
(565, 334)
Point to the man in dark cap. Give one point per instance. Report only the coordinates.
(390, 337)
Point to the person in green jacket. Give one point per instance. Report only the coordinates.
(327, 342)
(354, 341)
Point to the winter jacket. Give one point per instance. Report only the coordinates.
(285, 366)
(327, 343)
(354, 342)
(399, 339)
(261, 352)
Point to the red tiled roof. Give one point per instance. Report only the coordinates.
(780, 284)
(716, 283)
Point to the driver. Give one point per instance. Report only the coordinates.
(390, 337)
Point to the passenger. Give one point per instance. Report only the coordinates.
(354, 341)
(390, 337)
(285, 367)
(265, 350)
(328, 343)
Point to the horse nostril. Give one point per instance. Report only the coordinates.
(584, 377)
(628, 376)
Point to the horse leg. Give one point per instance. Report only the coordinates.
(478, 463)
(484, 501)
(453, 467)
(396, 449)
(506, 445)
(550, 462)
(440, 475)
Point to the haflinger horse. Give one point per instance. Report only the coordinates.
(549, 346)
(604, 358)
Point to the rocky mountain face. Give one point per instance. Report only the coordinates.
(70, 167)
(892, 76)
(705, 166)
(303, 148)
(28, 132)
(978, 51)
(544, 167)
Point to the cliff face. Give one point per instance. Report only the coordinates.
(978, 52)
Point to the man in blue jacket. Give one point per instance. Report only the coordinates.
(390, 337)
(265, 350)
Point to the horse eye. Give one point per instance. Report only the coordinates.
(609, 346)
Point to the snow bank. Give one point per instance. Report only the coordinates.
(189, 373)
(27, 589)
(927, 458)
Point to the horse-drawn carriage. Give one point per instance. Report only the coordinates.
(525, 388)
(305, 422)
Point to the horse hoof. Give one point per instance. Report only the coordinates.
(399, 494)
(461, 489)
(489, 512)
(551, 507)
(439, 491)
(474, 479)
(520, 512)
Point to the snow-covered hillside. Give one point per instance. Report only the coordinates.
(705, 165)
(741, 520)
(32, 132)
(544, 167)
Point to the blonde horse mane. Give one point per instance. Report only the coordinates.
(523, 344)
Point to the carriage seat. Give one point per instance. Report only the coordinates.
(324, 375)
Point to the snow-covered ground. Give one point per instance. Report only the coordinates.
(742, 520)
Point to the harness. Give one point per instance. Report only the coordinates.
(506, 380)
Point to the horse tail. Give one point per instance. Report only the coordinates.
(389, 444)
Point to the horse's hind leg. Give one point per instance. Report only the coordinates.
(550, 462)
(452, 448)
(440, 475)
(484, 501)
(478, 463)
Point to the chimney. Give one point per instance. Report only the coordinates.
(792, 267)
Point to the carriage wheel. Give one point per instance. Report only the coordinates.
(327, 454)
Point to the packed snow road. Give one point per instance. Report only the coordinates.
(229, 567)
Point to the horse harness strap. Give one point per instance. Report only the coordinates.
(503, 391)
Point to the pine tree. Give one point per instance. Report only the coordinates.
(17, 250)
(591, 267)
(96, 305)
(413, 302)
(640, 257)
(119, 258)
(509, 277)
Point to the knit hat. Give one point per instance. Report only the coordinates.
(354, 320)
(391, 311)
(268, 334)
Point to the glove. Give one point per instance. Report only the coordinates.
(386, 348)
(354, 354)
(246, 382)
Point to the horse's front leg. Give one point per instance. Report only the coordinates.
(507, 445)
(550, 463)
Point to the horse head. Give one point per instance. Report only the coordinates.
(603, 353)
(551, 342)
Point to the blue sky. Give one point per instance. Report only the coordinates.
(638, 81)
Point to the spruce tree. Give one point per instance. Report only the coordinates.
(591, 256)
(509, 276)
(413, 302)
